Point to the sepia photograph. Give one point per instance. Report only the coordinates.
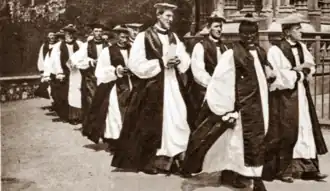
(165, 95)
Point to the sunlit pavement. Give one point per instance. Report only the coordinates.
(38, 154)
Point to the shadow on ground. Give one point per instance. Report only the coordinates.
(14, 184)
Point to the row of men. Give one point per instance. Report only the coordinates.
(64, 61)
(247, 113)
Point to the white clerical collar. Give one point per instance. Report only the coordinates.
(291, 42)
(213, 39)
(160, 28)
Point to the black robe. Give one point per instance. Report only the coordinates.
(197, 91)
(95, 122)
(141, 134)
(88, 81)
(283, 134)
(248, 102)
(62, 87)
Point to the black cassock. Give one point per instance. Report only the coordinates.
(95, 121)
(209, 127)
(141, 134)
(62, 87)
(283, 134)
(197, 91)
(88, 81)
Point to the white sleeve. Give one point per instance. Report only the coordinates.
(56, 58)
(41, 59)
(286, 78)
(138, 63)
(80, 58)
(183, 56)
(220, 93)
(201, 76)
(105, 71)
(48, 65)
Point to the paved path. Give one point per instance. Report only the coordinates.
(38, 154)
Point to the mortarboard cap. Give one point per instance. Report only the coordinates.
(97, 25)
(165, 6)
(215, 17)
(121, 28)
(133, 25)
(291, 19)
(69, 28)
(60, 33)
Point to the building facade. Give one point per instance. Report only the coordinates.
(315, 12)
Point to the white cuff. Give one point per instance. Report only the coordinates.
(302, 77)
(60, 76)
(117, 68)
(165, 60)
(230, 115)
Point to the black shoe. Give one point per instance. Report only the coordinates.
(287, 179)
(317, 176)
(151, 171)
(184, 174)
(236, 183)
(51, 114)
(74, 122)
(57, 120)
(258, 185)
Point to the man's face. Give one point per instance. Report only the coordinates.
(97, 33)
(134, 32)
(123, 38)
(216, 29)
(105, 37)
(165, 19)
(51, 37)
(68, 36)
(249, 35)
(295, 33)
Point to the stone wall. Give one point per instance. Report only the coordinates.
(18, 88)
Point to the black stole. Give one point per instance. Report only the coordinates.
(210, 53)
(91, 53)
(248, 102)
(45, 49)
(155, 102)
(197, 91)
(91, 48)
(289, 98)
(122, 84)
(64, 57)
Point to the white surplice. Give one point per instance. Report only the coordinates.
(46, 65)
(74, 96)
(49, 62)
(80, 58)
(227, 153)
(176, 130)
(286, 79)
(201, 76)
(40, 62)
(105, 73)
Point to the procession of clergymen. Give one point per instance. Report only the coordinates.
(247, 113)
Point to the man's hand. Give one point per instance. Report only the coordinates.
(122, 71)
(230, 119)
(45, 79)
(92, 62)
(269, 72)
(173, 62)
(60, 77)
